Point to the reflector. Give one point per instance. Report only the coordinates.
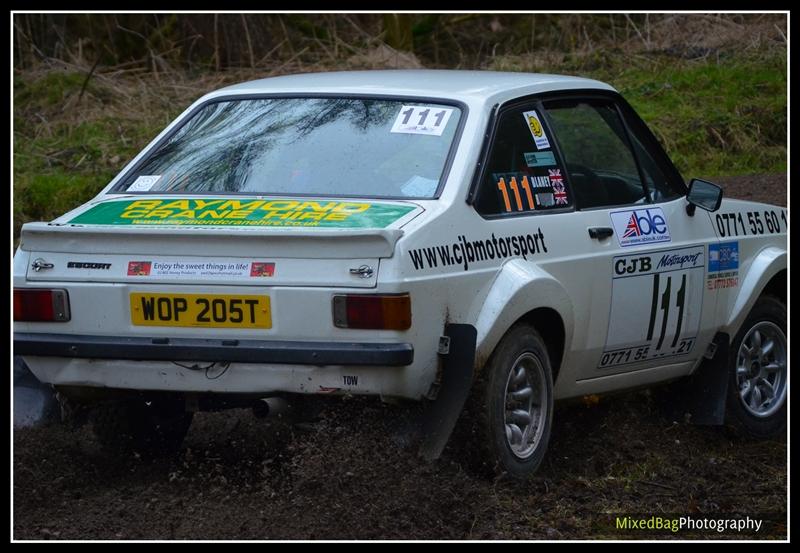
(380, 312)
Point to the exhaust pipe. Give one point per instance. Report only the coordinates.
(270, 407)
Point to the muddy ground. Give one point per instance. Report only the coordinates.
(347, 476)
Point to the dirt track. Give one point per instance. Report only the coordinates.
(346, 477)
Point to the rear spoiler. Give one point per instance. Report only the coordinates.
(180, 240)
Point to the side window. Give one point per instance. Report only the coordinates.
(659, 186)
(523, 174)
(598, 157)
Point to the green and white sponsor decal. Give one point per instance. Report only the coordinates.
(540, 159)
(243, 213)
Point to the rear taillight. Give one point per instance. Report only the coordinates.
(38, 305)
(386, 312)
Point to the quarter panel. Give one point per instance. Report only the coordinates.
(759, 270)
(519, 288)
(758, 232)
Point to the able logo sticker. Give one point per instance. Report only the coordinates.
(248, 213)
(640, 226)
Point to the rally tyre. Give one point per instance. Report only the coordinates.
(757, 386)
(153, 428)
(515, 404)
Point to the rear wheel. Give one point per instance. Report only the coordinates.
(515, 404)
(757, 388)
(155, 427)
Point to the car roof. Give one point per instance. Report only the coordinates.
(467, 86)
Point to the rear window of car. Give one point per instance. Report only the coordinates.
(303, 146)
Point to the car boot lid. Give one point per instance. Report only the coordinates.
(287, 227)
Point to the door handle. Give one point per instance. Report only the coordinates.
(600, 233)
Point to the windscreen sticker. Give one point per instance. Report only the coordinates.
(537, 131)
(143, 183)
(656, 301)
(635, 227)
(540, 159)
(430, 120)
(420, 186)
(247, 213)
(723, 266)
(194, 267)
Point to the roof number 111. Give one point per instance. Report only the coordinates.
(421, 120)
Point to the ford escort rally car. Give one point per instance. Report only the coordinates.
(508, 239)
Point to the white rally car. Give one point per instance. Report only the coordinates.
(422, 235)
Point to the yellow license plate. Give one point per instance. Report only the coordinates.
(200, 310)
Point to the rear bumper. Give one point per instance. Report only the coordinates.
(191, 349)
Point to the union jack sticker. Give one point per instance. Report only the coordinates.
(557, 182)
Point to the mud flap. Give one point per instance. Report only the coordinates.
(703, 395)
(439, 418)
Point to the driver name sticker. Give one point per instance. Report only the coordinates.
(656, 301)
(143, 183)
(537, 131)
(430, 120)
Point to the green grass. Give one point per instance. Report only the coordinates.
(726, 119)
(714, 117)
(65, 150)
